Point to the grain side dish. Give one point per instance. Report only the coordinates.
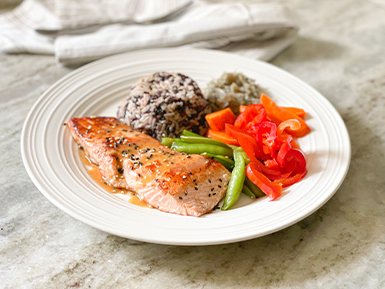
(232, 90)
(164, 104)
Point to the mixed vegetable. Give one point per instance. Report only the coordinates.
(257, 147)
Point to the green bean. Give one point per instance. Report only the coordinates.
(190, 133)
(241, 151)
(167, 141)
(247, 192)
(201, 148)
(244, 155)
(196, 139)
(225, 161)
(233, 147)
(252, 187)
(191, 137)
(236, 181)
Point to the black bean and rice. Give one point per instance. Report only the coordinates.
(163, 104)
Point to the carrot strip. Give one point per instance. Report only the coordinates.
(279, 114)
(222, 136)
(218, 119)
(298, 111)
(242, 108)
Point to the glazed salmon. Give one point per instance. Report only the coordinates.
(173, 182)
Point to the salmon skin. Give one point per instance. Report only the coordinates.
(174, 182)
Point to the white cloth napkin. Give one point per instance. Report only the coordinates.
(79, 31)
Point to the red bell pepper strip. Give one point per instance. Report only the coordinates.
(268, 171)
(271, 189)
(285, 138)
(272, 164)
(252, 115)
(285, 147)
(285, 182)
(267, 135)
(294, 161)
(247, 142)
(278, 176)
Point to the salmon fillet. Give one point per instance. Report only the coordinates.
(170, 181)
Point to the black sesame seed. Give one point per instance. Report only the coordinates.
(136, 147)
(108, 131)
(64, 124)
(196, 188)
(194, 180)
(124, 129)
(156, 180)
(81, 147)
(188, 156)
(210, 181)
(190, 173)
(115, 144)
(110, 124)
(214, 194)
(209, 195)
(212, 189)
(120, 171)
(219, 186)
(180, 198)
(185, 193)
(132, 168)
(139, 175)
(220, 180)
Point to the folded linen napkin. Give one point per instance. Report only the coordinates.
(81, 31)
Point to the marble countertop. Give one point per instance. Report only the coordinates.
(340, 52)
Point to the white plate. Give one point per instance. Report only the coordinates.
(52, 161)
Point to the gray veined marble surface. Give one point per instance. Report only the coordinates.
(340, 52)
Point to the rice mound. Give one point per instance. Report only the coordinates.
(163, 104)
(232, 90)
